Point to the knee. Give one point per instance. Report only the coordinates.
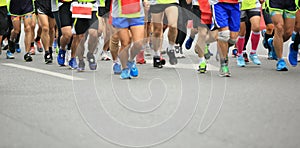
(45, 29)
(27, 28)
(93, 34)
(279, 29)
(255, 27)
(67, 35)
(157, 30)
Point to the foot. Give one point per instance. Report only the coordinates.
(202, 67)
(9, 55)
(224, 71)
(125, 74)
(293, 55)
(117, 68)
(188, 43)
(18, 49)
(73, 63)
(240, 61)
(133, 69)
(254, 59)
(81, 66)
(270, 43)
(92, 61)
(27, 57)
(61, 57)
(39, 46)
(47, 57)
(172, 57)
(281, 65)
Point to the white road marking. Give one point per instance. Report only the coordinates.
(55, 74)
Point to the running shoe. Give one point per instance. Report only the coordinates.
(125, 74)
(39, 46)
(270, 42)
(245, 55)
(54, 45)
(9, 55)
(163, 51)
(32, 50)
(133, 69)
(281, 65)
(47, 57)
(104, 56)
(61, 57)
(27, 57)
(178, 52)
(92, 61)
(202, 67)
(224, 71)
(293, 55)
(240, 61)
(270, 57)
(140, 58)
(18, 49)
(188, 43)
(12, 46)
(254, 58)
(117, 68)
(73, 63)
(234, 52)
(172, 57)
(158, 62)
(81, 66)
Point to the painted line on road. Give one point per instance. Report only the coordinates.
(50, 73)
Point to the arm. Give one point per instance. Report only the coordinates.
(188, 1)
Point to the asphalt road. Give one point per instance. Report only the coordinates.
(175, 107)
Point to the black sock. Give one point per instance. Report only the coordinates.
(37, 38)
(50, 50)
(296, 42)
(32, 44)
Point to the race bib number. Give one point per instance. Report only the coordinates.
(130, 6)
(81, 10)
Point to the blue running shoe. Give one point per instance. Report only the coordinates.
(133, 69)
(240, 61)
(293, 55)
(125, 74)
(117, 69)
(270, 42)
(254, 58)
(270, 57)
(92, 61)
(188, 43)
(73, 63)
(281, 65)
(61, 57)
(9, 55)
(18, 49)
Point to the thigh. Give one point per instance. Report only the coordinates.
(137, 33)
(172, 15)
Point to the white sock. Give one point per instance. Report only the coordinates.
(201, 60)
(156, 53)
(171, 47)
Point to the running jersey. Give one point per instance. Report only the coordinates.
(2, 3)
(250, 4)
(195, 3)
(212, 2)
(132, 10)
(153, 2)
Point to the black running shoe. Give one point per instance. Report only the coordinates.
(27, 57)
(172, 57)
(47, 57)
(157, 62)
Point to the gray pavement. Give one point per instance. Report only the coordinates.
(173, 107)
